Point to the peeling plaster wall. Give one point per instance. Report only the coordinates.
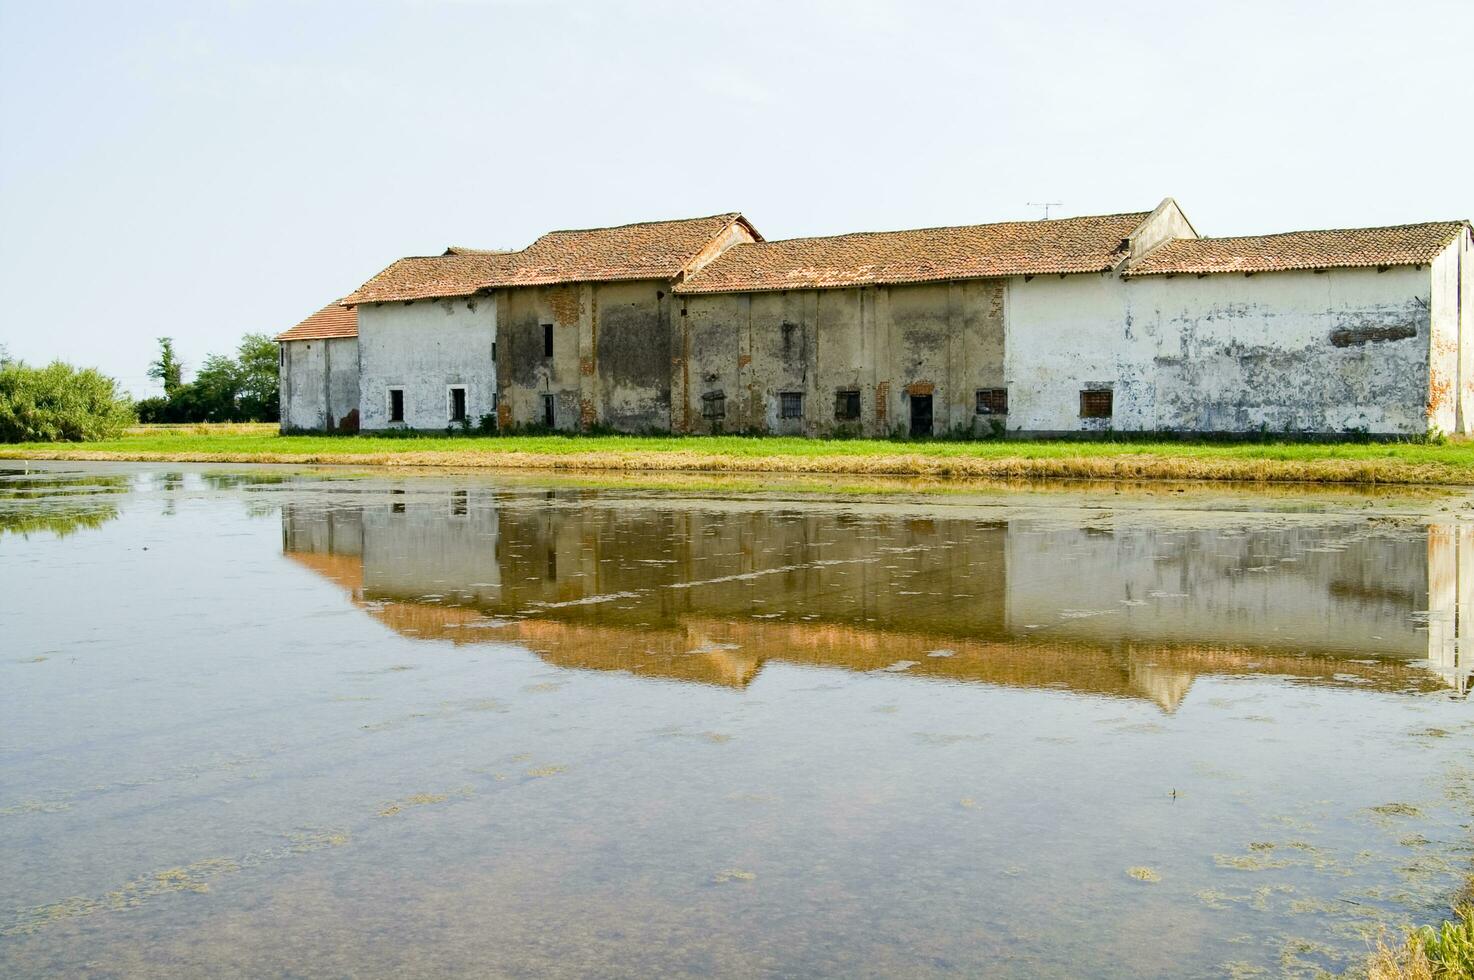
(425, 347)
(1298, 352)
(939, 339)
(1451, 378)
(611, 362)
(319, 384)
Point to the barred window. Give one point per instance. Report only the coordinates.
(992, 401)
(1095, 404)
(714, 405)
(791, 405)
(847, 404)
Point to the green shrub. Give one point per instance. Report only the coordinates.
(1451, 946)
(60, 403)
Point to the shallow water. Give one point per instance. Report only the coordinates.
(275, 722)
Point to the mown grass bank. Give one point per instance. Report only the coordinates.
(1388, 463)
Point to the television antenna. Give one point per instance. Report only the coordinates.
(1046, 205)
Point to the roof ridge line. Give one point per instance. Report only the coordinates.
(636, 224)
(984, 224)
(1324, 231)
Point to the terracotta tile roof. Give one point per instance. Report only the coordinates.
(1089, 244)
(432, 277)
(1336, 248)
(333, 320)
(649, 250)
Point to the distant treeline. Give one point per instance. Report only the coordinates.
(62, 403)
(242, 388)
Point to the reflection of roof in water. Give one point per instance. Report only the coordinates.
(732, 652)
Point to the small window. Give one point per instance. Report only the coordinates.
(397, 506)
(396, 404)
(283, 348)
(791, 405)
(493, 350)
(847, 404)
(992, 401)
(458, 404)
(459, 503)
(1095, 404)
(550, 417)
(547, 340)
(714, 405)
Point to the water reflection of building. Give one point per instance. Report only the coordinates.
(1451, 603)
(710, 591)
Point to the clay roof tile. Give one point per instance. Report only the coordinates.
(1332, 248)
(333, 320)
(1062, 245)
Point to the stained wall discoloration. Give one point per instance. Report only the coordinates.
(886, 343)
(610, 364)
(425, 348)
(319, 385)
(1451, 380)
(1345, 350)
(631, 350)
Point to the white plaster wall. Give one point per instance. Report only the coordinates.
(319, 383)
(1222, 353)
(1162, 225)
(1451, 378)
(1444, 382)
(425, 347)
(1466, 332)
(303, 397)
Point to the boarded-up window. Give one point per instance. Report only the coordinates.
(396, 404)
(791, 405)
(992, 401)
(714, 405)
(1095, 403)
(847, 404)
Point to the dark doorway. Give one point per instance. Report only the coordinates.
(921, 415)
(458, 404)
(549, 419)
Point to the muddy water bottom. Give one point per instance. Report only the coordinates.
(280, 722)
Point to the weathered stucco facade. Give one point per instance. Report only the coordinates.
(587, 354)
(427, 350)
(319, 385)
(1337, 351)
(859, 360)
(1113, 323)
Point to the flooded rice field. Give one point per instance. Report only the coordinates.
(275, 722)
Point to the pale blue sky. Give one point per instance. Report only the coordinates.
(205, 169)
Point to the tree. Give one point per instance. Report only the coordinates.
(215, 390)
(168, 370)
(260, 399)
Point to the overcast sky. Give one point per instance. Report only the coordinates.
(203, 170)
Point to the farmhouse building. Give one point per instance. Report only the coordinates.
(1126, 322)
